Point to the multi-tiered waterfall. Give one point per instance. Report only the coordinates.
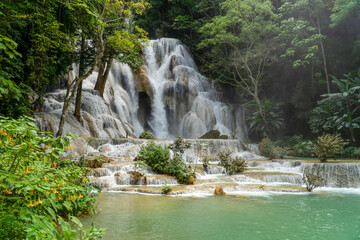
(167, 96)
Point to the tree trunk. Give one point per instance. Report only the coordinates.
(323, 56)
(104, 70)
(81, 72)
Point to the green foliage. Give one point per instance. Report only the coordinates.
(312, 181)
(146, 135)
(179, 146)
(339, 111)
(158, 158)
(166, 189)
(267, 148)
(267, 120)
(343, 9)
(328, 145)
(304, 148)
(206, 162)
(36, 187)
(232, 165)
(357, 152)
(349, 152)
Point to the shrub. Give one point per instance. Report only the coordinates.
(312, 181)
(205, 162)
(158, 158)
(267, 148)
(179, 146)
(304, 148)
(357, 153)
(231, 165)
(349, 152)
(327, 146)
(166, 189)
(37, 188)
(146, 135)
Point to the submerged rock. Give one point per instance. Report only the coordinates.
(219, 191)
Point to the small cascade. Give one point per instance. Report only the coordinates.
(341, 175)
(260, 175)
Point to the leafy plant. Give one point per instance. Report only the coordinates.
(231, 165)
(166, 189)
(146, 135)
(158, 158)
(267, 148)
(179, 146)
(312, 181)
(328, 145)
(267, 119)
(37, 188)
(339, 111)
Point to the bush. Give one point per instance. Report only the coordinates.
(37, 188)
(146, 135)
(179, 146)
(312, 181)
(166, 189)
(327, 146)
(231, 165)
(304, 148)
(357, 153)
(267, 148)
(158, 158)
(349, 152)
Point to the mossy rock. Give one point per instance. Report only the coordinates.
(219, 191)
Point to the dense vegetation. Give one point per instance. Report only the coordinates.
(39, 190)
(159, 159)
(286, 59)
(282, 56)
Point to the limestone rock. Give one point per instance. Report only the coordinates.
(142, 82)
(212, 134)
(219, 191)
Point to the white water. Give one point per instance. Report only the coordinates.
(183, 102)
(261, 175)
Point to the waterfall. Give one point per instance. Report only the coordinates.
(176, 100)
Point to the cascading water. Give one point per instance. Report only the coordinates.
(182, 101)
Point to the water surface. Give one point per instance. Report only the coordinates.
(330, 216)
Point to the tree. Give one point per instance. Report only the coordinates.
(342, 9)
(113, 35)
(245, 33)
(340, 111)
(302, 33)
(120, 36)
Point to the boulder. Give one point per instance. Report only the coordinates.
(212, 134)
(219, 191)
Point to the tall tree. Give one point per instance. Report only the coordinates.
(302, 25)
(113, 35)
(246, 34)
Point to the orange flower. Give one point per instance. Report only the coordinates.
(31, 168)
(30, 204)
(47, 192)
(80, 196)
(7, 191)
(59, 185)
(63, 183)
(55, 192)
(26, 171)
(3, 133)
(53, 165)
(46, 179)
(39, 201)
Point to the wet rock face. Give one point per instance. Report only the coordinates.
(142, 82)
(335, 175)
(219, 191)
